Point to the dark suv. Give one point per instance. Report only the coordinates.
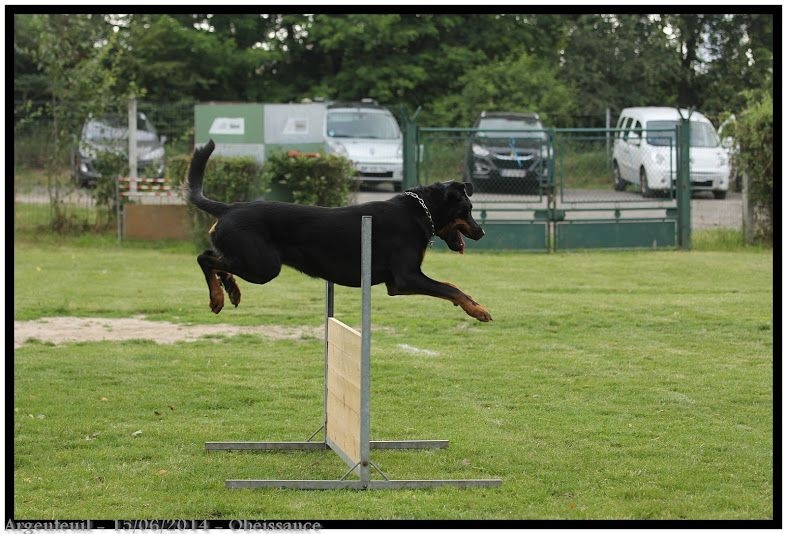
(509, 153)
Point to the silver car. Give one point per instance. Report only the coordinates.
(110, 134)
(368, 135)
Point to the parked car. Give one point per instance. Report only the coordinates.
(509, 153)
(726, 133)
(110, 134)
(645, 155)
(368, 135)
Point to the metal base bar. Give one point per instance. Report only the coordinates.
(360, 485)
(411, 444)
(319, 445)
(264, 445)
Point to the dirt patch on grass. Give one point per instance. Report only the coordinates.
(59, 330)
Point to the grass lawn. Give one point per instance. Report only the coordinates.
(609, 385)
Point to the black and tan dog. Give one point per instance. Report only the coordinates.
(254, 239)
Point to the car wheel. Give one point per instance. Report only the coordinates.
(644, 188)
(719, 195)
(617, 180)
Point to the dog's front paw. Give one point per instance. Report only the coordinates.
(475, 310)
(480, 313)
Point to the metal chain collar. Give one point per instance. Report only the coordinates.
(423, 205)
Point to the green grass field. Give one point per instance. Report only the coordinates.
(610, 385)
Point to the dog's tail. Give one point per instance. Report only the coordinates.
(196, 174)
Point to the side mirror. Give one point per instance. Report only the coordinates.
(163, 139)
(728, 142)
(634, 138)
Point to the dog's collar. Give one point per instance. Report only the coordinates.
(429, 215)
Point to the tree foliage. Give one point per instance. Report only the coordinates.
(449, 64)
(754, 131)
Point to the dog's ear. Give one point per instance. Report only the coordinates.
(468, 188)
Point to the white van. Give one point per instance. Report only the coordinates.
(645, 152)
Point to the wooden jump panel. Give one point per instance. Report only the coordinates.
(343, 426)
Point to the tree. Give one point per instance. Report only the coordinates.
(70, 53)
(521, 83)
(617, 61)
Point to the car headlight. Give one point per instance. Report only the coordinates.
(338, 149)
(480, 151)
(399, 152)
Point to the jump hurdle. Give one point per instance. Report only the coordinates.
(347, 400)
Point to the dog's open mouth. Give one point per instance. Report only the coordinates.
(454, 234)
(456, 242)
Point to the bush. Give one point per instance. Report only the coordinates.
(227, 179)
(313, 178)
(754, 131)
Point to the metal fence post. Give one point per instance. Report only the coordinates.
(132, 142)
(117, 209)
(684, 181)
(609, 138)
(410, 150)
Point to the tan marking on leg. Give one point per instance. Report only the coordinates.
(471, 307)
(474, 309)
(216, 294)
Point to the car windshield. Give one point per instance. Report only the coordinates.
(362, 124)
(702, 134)
(520, 127)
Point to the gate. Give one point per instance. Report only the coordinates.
(567, 188)
(512, 175)
(607, 197)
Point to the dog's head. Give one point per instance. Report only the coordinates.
(451, 212)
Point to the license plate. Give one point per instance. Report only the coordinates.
(513, 173)
(365, 168)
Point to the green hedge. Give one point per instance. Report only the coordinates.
(313, 178)
(754, 131)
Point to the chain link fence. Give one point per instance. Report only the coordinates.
(511, 169)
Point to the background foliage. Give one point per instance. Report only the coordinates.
(449, 64)
(755, 135)
(317, 180)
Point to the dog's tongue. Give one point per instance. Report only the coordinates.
(461, 243)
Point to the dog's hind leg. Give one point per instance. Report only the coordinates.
(217, 273)
(230, 286)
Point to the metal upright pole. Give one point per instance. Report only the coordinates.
(366, 344)
(329, 312)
